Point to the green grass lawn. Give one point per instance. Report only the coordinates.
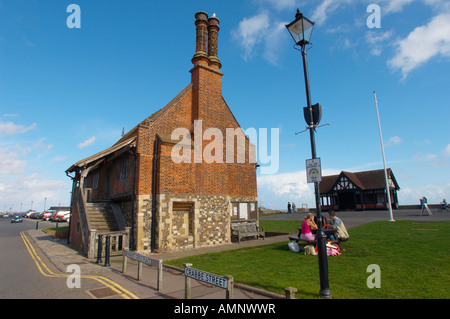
(65, 228)
(413, 258)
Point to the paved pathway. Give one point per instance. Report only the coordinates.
(61, 255)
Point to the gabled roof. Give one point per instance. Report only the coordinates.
(156, 115)
(366, 180)
(96, 157)
(130, 137)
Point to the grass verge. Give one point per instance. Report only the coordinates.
(413, 258)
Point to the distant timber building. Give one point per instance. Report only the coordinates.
(163, 202)
(358, 191)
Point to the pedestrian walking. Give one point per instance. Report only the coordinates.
(423, 202)
(289, 207)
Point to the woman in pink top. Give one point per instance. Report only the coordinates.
(308, 224)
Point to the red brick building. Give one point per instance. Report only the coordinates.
(159, 182)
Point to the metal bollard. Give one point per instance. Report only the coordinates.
(187, 283)
(229, 293)
(37, 225)
(99, 250)
(107, 247)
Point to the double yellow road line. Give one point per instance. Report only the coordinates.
(48, 273)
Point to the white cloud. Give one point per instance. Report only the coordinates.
(279, 4)
(87, 143)
(34, 188)
(273, 42)
(394, 141)
(250, 32)
(9, 128)
(376, 40)
(395, 5)
(9, 164)
(326, 8)
(434, 193)
(276, 190)
(425, 157)
(59, 158)
(260, 33)
(446, 150)
(41, 146)
(422, 44)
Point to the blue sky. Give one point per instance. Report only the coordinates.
(66, 94)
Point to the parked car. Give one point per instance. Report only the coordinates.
(35, 215)
(29, 213)
(16, 219)
(66, 218)
(61, 216)
(5, 215)
(46, 215)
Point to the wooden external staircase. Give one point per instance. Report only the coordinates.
(101, 217)
(106, 220)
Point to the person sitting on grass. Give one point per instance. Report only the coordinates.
(338, 226)
(308, 225)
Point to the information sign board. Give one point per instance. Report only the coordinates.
(313, 170)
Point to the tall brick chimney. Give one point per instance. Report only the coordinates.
(213, 36)
(201, 23)
(206, 77)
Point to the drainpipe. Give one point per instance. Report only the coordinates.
(71, 203)
(154, 184)
(133, 200)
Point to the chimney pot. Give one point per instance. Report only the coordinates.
(201, 23)
(213, 34)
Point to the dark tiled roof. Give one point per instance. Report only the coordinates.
(130, 137)
(91, 159)
(364, 180)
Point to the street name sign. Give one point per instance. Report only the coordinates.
(143, 259)
(211, 279)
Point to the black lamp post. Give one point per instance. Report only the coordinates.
(301, 29)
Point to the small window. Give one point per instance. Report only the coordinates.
(123, 173)
(95, 178)
(381, 198)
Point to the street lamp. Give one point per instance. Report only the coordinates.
(301, 29)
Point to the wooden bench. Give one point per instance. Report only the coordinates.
(307, 242)
(247, 230)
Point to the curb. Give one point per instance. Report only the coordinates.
(255, 290)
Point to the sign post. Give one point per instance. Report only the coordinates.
(226, 282)
(313, 170)
(157, 263)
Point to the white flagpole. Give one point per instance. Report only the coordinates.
(384, 161)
